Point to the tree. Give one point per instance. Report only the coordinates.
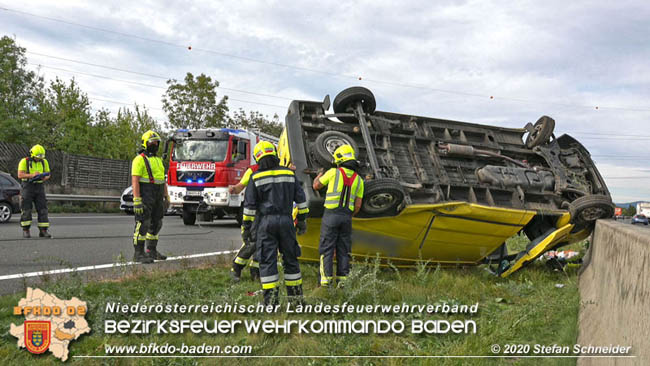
(193, 104)
(20, 91)
(256, 121)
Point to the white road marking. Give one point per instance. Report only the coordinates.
(108, 265)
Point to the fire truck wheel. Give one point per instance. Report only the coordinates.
(382, 197)
(346, 100)
(189, 218)
(327, 142)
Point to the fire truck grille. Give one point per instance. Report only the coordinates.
(195, 176)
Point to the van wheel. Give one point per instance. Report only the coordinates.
(327, 142)
(189, 218)
(588, 209)
(381, 197)
(543, 129)
(348, 98)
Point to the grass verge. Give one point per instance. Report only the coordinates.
(526, 308)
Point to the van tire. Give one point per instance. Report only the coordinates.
(329, 141)
(382, 197)
(543, 131)
(588, 209)
(345, 101)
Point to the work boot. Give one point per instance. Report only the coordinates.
(295, 295)
(271, 296)
(235, 272)
(42, 233)
(140, 256)
(26, 234)
(255, 274)
(152, 252)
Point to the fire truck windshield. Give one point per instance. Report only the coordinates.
(200, 150)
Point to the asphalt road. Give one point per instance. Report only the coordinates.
(94, 239)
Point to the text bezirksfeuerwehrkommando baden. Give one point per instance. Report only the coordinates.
(320, 308)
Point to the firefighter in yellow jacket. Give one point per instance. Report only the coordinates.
(342, 201)
(33, 171)
(150, 197)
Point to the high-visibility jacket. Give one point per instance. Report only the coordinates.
(343, 187)
(29, 165)
(139, 168)
(245, 179)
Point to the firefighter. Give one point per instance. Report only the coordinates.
(270, 197)
(33, 171)
(248, 246)
(150, 197)
(342, 201)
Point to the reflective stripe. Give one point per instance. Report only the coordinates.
(293, 283)
(25, 223)
(248, 218)
(268, 286)
(322, 269)
(249, 212)
(151, 237)
(285, 179)
(271, 278)
(241, 261)
(292, 276)
(303, 211)
(325, 280)
(342, 278)
(43, 224)
(136, 233)
(155, 181)
(269, 173)
(254, 264)
(302, 205)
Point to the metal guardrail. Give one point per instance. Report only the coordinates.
(81, 197)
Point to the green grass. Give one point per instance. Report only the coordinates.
(524, 308)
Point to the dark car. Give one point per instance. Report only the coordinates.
(639, 219)
(9, 197)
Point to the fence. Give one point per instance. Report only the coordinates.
(71, 172)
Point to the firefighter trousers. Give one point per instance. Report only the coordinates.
(276, 232)
(149, 223)
(34, 193)
(335, 236)
(247, 250)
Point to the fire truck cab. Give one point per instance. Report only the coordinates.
(202, 164)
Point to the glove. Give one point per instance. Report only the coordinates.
(138, 208)
(246, 234)
(301, 227)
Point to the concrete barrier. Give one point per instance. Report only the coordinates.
(615, 293)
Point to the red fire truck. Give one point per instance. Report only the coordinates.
(202, 164)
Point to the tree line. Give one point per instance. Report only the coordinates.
(58, 114)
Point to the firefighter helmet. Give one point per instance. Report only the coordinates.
(343, 153)
(149, 136)
(37, 151)
(262, 149)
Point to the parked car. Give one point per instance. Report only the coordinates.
(446, 191)
(639, 219)
(126, 203)
(9, 197)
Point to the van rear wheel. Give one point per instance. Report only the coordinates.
(346, 101)
(382, 197)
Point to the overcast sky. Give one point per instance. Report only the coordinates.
(584, 63)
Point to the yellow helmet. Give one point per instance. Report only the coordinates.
(148, 137)
(37, 151)
(343, 153)
(262, 149)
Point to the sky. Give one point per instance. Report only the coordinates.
(503, 63)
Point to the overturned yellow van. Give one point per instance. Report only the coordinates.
(445, 191)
